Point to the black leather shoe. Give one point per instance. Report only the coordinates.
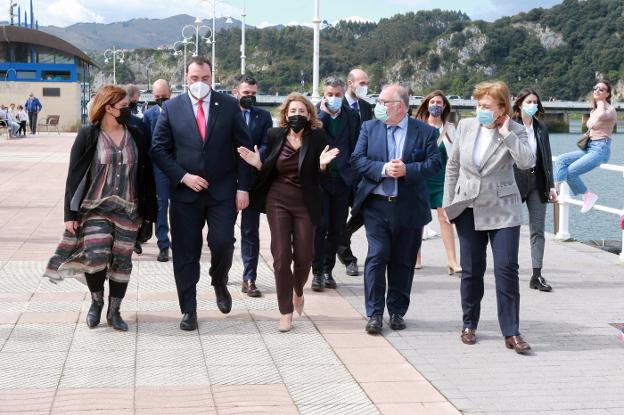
(397, 322)
(352, 269)
(249, 288)
(137, 248)
(329, 280)
(318, 283)
(163, 255)
(539, 283)
(375, 324)
(224, 299)
(189, 321)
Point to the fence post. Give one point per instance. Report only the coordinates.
(563, 233)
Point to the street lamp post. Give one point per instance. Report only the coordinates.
(184, 42)
(315, 57)
(196, 29)
(113, 53)
(243, 57)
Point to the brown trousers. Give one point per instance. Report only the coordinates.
(292, 240)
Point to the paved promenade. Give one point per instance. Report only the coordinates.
(51, 363)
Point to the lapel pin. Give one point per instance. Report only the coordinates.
(216, 103)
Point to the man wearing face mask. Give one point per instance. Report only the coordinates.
(258, 121)
(395, 155)
(161, 92)
(342, 126)
(357, 89)
(134, 94)
(195, 144)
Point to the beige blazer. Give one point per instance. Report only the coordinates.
(490, 189)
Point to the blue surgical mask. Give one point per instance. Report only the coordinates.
(435, 110)
(334, 103)
(381, 112)
(485, 117)
(529, 109)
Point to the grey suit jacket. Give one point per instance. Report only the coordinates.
(490, 189)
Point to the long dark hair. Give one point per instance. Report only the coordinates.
(608, 90)
(422, 113)
(517, 106)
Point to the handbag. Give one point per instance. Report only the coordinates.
(145, 232)
(583, 141)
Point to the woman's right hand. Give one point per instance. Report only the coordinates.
(71, 226)
(251, 157)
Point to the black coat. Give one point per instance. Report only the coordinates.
(366, 109)
(543, 165)
(313, 143)
(80, 159)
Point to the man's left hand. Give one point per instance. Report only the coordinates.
(242, 200)
(396, 168)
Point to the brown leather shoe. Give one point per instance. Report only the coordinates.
(517, 343)
(469, 336)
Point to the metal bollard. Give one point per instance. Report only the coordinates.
(563, 233)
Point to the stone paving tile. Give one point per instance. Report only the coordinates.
(30, 401)
(327, 393)
(247, 373)
(171, 375)
(25, 378)
(317, 373)
(80, 377)
(251, 395)
(173, 398)
(343, 409)
(94, 400)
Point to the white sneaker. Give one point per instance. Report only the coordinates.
(589, 200)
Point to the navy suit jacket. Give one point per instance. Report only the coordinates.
(260, 121)
(422, 161)
(345, 140)
(177, 147)
(150, 117)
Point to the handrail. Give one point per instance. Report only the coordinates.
(565, 199)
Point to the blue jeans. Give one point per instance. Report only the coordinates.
(570, 166)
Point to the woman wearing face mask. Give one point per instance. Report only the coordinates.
(570, 166)
(536, 184)
(435, 110)
(109, 192)
(288, 191)
(482, 199)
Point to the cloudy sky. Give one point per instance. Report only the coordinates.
(262, 12)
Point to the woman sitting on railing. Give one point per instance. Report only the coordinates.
(570, 166)
(535, 184)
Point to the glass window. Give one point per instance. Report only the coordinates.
(20, 52)
(26, 74)
(49, 55)
(55, 75)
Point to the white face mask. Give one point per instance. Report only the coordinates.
(361, 91)
(199, 89)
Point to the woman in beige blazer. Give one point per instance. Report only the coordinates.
(482, 199)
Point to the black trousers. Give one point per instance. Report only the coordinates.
(330, 232)
(345, 255)
(187, 222)
(32, 120)
(473, 247)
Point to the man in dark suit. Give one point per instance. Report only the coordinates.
(258, 121)
(394, 155)
(342, 126)
(194, 144)
(161, 92)
(357, 89)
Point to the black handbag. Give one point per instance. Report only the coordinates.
(145, 232)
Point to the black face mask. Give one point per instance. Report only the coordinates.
(297, 122)
(247, 101)
(161, 101)
(124, 115)
(133, 106)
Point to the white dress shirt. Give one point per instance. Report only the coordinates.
(532, 140)
(484, 139)
(399, 137)
(205, 105)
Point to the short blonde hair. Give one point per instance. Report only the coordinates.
(497, 90)
(296, 96)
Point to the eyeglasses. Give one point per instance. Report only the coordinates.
(598, 89)
(384, 102)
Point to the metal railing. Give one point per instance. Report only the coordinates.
(565, 200)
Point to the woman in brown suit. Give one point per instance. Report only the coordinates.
(288, 191)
